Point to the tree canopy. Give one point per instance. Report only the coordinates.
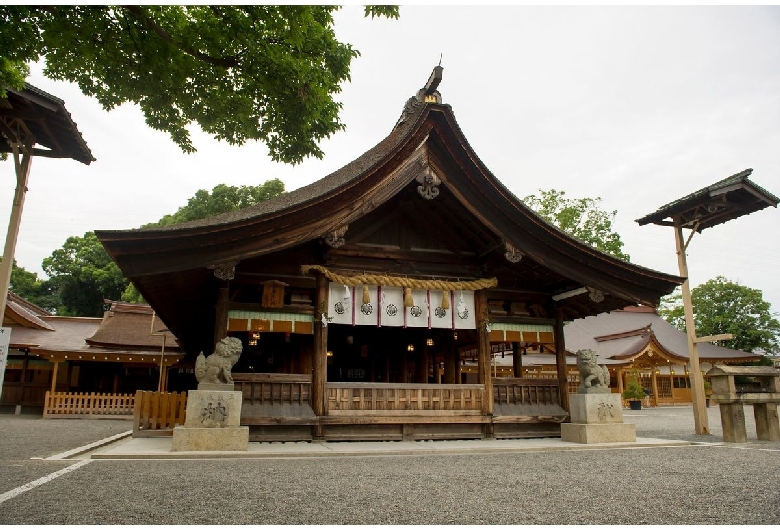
(250, 72)
(33, 289)
(82, 274)
(581, 218)
(721, 306)
(222, 199)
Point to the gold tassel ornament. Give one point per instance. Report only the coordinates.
(408, 300)
(445, 299)
(366, 295)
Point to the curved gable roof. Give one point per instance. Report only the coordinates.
(427, 137)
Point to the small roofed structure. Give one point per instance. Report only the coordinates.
(638, 338)
(33, 116)
(32, 123)
(114, 354)
(723, 201)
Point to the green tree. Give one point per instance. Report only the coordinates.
(222, 199)
(242, 73)
(83, 276)
(33, 289)
(721, 306)
(581, 218)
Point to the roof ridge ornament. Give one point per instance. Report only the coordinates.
(428, 93)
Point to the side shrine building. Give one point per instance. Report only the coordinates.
(356, 296)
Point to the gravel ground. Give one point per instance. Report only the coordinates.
(701, 484)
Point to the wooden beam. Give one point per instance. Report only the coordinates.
(713, 338)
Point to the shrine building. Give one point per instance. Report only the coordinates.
(358, 296)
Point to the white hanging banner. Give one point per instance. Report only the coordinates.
(340, 303)
(417, 315)
(441, 318)
(386, 308)
(463, 310)
(366, 314)
(392, 307)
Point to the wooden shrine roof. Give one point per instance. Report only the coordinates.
(623, 333)
(170, 265)
(723, 201)
(33, 111)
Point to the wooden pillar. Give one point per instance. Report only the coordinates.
(450, 362)
(421, 368)
(458, 364)
(517, 359)
(483, 349)
(320, 363)
(654, 380)
(54, 376)
(560, 359)
(700, 419)
(221, 317)
(620, 376)
(22, 176)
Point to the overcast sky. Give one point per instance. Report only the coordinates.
(636, 105)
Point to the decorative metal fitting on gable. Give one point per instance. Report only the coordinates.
(224, 271)
(429, 184)
(512, 254)
(595, 295)
(335, 239)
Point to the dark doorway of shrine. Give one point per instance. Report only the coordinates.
(393, 354)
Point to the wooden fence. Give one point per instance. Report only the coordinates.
(157, 413)
(526, 391)
(87, 405)
(274, 389)
(402, 398)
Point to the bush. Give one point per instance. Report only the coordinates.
(633, 390)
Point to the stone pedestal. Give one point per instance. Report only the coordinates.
(212, 423)
(597, 418)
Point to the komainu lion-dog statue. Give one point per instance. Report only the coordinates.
(215, 369)
(594, 379)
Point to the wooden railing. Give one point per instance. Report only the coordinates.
(274, 389)
(87, 405)
(526, 391)
(401, 398)
(157, 413)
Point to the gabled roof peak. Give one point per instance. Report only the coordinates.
(428, 93)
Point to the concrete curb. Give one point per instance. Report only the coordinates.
(160, 449)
